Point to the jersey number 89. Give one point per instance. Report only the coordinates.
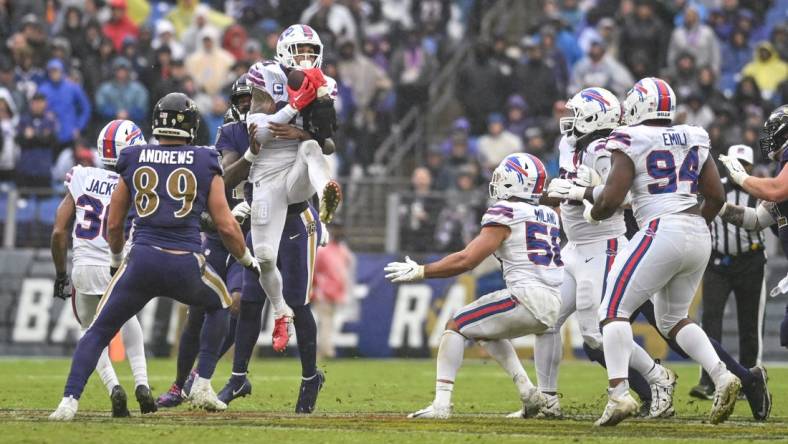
(181, 186)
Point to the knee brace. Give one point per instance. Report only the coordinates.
(666, 325)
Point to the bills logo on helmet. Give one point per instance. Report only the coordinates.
(513, 164)
(592, 95)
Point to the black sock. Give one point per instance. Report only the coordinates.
(306, 333)
(250, 321)
(214, 329)
(190, 344)
(229, 338)
(732, 364)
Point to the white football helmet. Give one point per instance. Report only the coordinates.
(287, 47)
(115, 136)
(518, 175)
(594, 109)
(650, 98)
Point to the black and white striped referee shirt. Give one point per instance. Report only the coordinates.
(728, 239)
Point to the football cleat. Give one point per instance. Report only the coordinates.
(702, 391)
(237, 386)
(187, 385)
(119, 398)
(533, 401)
(282, 332)
(172, 398)
(307, 394)
(432, 412)
(724, 398)
(662, 396)
(202, 396)
(758, 395)
(145, 399)
(617, 409)
(645, 408)
(551, 408)
(332, 196)
(66, 410)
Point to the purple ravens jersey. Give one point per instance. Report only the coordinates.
(781, 215)
(233, 137)
(169, 188)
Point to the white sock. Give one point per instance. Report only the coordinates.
(450, 354)
(106, 372)
(620, 390)
(135, 350)
(503, 352)
(617, 340)
(547, 357)
(271, 281)
(695, 343)
(318, 171)
(642, 363)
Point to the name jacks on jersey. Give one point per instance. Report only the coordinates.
(101, 187)
(166, 157)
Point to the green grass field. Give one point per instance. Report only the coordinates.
(364, 401)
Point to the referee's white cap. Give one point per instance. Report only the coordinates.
(741, 152)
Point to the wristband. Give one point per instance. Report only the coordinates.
(115, 259)
(249, 156)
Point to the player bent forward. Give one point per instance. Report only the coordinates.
(524, 236)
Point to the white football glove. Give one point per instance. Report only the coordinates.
(564, 189)
(408, 271)
(587, 213)
(735, 169)
(782, 287)
(241, 212)
(587, 177)
(324, 235)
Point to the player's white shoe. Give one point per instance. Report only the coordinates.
(432, 412)
(202, 396)
(551, 408)
(66, 410)
(534, 405)
(725, 395)
(617, 409)
(662, 396)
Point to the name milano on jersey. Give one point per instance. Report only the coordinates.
(667, 164)
(596, 157)
(91, 189)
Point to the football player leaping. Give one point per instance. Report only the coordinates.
(525, 237)
(590, 252)
(666, 167)
(290, 168)
(85, 204)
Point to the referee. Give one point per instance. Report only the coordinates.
(736, 264)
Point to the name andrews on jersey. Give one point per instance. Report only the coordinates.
(166, 157)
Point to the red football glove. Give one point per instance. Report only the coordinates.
(303, 96)
(315, 76)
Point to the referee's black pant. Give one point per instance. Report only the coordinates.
(742, 274)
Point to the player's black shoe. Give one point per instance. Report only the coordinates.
(145, 398)
(237, 387)
(118, 398)
(758, 395)
(307, 394)
(702, 391)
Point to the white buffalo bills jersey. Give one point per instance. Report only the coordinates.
(577, 229)
(91, 189)
(269, 163)
(531, 255)
(667, 165)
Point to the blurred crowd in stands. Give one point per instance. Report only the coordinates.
(725, 59)
(69, 66)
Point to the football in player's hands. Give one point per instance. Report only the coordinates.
(300, 90)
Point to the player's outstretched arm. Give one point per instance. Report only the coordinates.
(710, 187)
(59, 242)
(477, 250)
(773, 189)
(227, 226)
(619, 180)
(116, 222)
(753, 219)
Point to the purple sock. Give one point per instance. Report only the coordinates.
(250, 320)
(229, 338)
(733, 365)
(190, 344)
(214, 328)
(306, 333)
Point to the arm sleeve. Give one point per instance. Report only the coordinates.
(263, 134)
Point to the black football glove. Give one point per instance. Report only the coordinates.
(320, 119)
(62, 286)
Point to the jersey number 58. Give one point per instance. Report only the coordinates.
(543, 244)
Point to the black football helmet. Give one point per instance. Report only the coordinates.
(775, 132)
(175, 115)
(241, 88)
